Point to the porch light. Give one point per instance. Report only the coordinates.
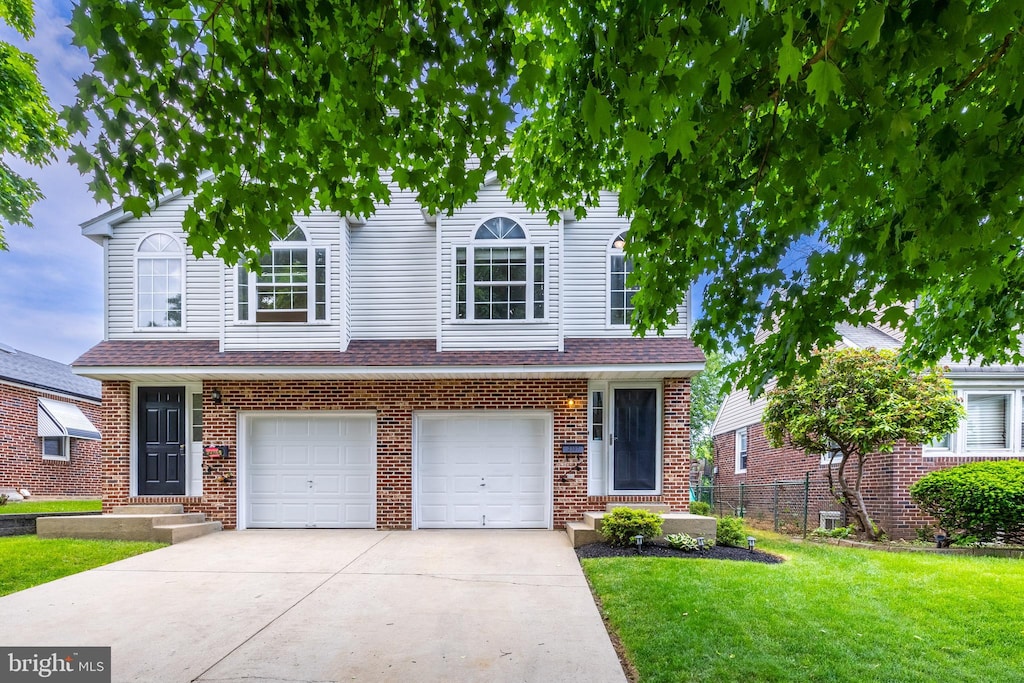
(215, 395)
(571, 403)
(750, 543)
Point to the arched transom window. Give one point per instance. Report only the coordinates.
(291, 285)
(620, 296)
(159, 290)
(500, 275)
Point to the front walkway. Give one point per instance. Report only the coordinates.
(325, 605)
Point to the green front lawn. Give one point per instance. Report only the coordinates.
(51, 506)
(828, 614)
(27, 561)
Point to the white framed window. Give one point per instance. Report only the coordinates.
(941, 443)
(830, 519)
(159, 282)
(291, 286)
(597, 416)
(741, 450)
(989, 422)
(56, 448)
(833, 456)
(500, 275)
(620, 296)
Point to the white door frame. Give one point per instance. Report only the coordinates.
(610, 436)
(242, 452)
(549, 467)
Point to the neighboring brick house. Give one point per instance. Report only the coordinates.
(402, 371)
(49, 440)
(993, 396)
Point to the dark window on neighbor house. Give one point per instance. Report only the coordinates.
(988, 420)
(55, 447)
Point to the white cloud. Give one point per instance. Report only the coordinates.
(51, 290)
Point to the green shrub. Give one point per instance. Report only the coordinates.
(622, 524)
(838, 532)
(730, 532)
(688, 543)
(699, 507)
(980, 499)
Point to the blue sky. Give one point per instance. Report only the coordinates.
(51, 290)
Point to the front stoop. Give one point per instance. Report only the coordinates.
(589, 530)
(160, 523)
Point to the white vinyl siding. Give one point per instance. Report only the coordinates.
(458, 231)
(393, 273)
(586, 275)
(323, 231)
(739, 411)
(202, 277)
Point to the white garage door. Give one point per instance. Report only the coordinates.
(310, 471)
(483, 470)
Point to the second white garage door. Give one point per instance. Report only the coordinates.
(307, 471)
(483, 470)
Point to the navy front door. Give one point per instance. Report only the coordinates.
(635, 455)
(161, 441)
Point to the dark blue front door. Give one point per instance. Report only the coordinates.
(635, 458)
(161, 441)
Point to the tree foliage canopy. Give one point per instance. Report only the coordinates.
(29, 127)
(890, 135)
(860, 402)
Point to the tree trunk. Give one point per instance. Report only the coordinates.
(852, 501)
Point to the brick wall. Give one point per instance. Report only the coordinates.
(21, 460)
(886, 485)
(394, 403)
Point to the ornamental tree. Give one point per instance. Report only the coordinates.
(857, 406)
(818, 160)
(29, 127)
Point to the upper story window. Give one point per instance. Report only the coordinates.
(291, 286)
(741, 450)
(620, 297)
(159, 267)
(500, 276)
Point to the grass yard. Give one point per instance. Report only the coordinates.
(27, 561)
(828, 614)
(51, 506)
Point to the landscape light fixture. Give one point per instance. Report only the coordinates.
(700, 543)
(750, 543)
(639, 542)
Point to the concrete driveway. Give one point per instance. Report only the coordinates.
(326, 605)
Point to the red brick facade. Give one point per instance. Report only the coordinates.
(886, 485)
(395, 402)
(21, 460)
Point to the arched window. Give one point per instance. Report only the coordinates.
(620, 297)
(159, 267)
(291, 285)
(500, 275)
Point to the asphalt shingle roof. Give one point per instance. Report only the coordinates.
(391, 353)
(27, 369)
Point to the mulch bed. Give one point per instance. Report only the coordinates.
(656, 550)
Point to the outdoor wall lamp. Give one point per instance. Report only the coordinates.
(750, 543)
(571, 403)
(215, 395)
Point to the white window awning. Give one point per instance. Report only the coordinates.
(65, 419)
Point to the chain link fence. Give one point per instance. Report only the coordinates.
(791, 507)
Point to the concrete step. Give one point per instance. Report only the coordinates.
(163, 528)
(172, 509)
(581, 534)
(672, 523)
(650, 507)
(176, 533)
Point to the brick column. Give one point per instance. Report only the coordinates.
(675, 478)
(116, 443)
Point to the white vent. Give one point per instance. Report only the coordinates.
(830, 519)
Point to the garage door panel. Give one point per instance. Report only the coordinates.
(508, 454)
(311, 471)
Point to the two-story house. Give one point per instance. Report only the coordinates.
(402, 371)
